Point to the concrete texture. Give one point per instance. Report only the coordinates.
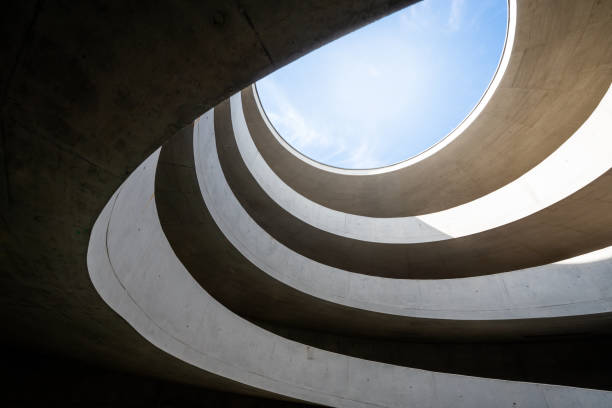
(551, 231)
(552, 180)
(203, 292)
(547, 304)
(556, 290)
(137, 281)
(88, 90)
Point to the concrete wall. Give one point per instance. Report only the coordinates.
(149, 287)
(233, 253)
(206, 289)
(90, 89)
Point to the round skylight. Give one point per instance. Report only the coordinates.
(392, 89)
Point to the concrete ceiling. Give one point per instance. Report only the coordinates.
(89, 89)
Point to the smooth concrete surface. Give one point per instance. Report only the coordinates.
(555, 178)
(559, 69)
(88, 90)
(547, 291)
(147, 285)
(548, 350)
(107, 273)
(550, 234)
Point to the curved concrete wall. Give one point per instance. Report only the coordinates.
(552, 180)
(496, 294)
(552, 233)
(257, 268)
(147, 285)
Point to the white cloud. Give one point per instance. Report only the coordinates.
(373, 71)
(417, 17)
(361, 157)
(455, 16)
(328, 143)
(344, 105)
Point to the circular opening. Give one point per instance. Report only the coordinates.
(392, 89)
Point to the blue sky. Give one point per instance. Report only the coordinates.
(390, 90)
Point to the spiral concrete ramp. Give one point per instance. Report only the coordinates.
(477, 274)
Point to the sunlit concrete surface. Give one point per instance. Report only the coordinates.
(155, 226)
(553, 290)
(547, 235)
(147, 285)
(520, 272)
(555, 178)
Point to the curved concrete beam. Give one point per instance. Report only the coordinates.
(552, 180)
(544, 350)
(147, 285)
(547, 235)
(556, 291)
(148, 266)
